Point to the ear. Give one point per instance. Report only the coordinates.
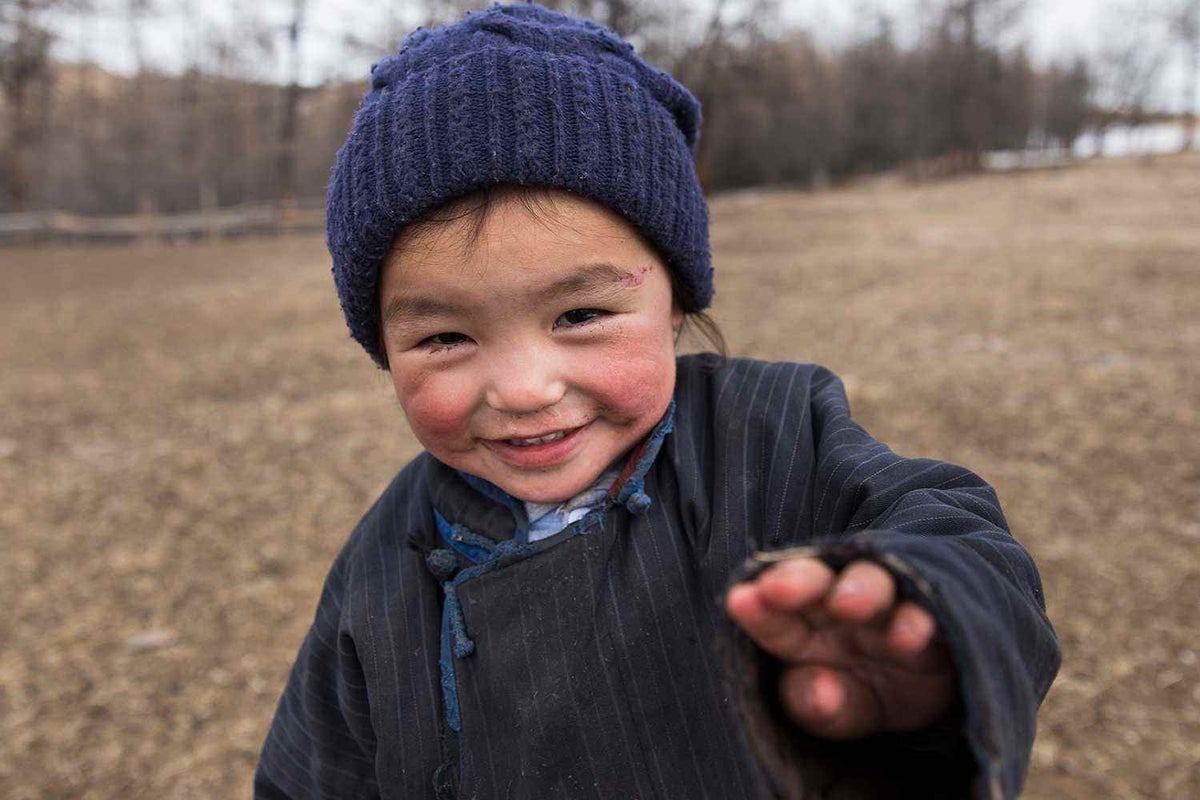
(677, 317)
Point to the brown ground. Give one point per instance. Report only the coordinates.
(188, 435)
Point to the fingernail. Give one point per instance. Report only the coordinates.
(847, 589)
(733, 597)
(820, 700)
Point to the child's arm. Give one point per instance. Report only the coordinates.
(950, 703)
(320, 743)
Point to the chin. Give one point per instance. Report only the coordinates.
(548, 492)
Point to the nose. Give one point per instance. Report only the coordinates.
(525, 381)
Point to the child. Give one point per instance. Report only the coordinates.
(536, 606)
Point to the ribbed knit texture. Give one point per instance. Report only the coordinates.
(515, 94)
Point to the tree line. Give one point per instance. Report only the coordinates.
(781, 106)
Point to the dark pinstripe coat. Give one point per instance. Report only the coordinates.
(449, 657)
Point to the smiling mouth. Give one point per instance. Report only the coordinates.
(536, 440)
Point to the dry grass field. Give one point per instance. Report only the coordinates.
(188, 434)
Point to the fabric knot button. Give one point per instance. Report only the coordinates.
(463, 647)
(442, 563)
(638, 503)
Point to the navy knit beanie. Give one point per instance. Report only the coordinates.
(515, 94)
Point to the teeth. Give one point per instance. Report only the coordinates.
(553, 437)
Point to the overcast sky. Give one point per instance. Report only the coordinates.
(1052, 29)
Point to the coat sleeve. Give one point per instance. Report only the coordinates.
(939, 530)
(320, 743)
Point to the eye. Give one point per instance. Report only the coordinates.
(578, 316)
(440, 341)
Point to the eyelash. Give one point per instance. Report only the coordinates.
(435, 346)
(595, 314)
(432, 343)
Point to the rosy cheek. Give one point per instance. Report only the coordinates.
(435, 408)
(637, 375)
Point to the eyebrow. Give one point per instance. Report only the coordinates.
(597, 275)
(590, 277)
(405, 306)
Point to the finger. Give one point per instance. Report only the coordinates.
(904, 640)
(864, 591)
(871, 642)
(781, 633)
(795, 584)
(830, 703)
(911, 630)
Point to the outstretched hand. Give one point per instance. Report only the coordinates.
(860, 661)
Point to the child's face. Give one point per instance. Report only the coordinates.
(540, 355)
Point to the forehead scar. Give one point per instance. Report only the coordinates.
(632, 280)
(599, 276)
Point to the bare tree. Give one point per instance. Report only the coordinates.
(879, 98)
(1066, 103)
(700, 67)
(1130, 64)
(969, 33)
(135, 128)
(24, 67)
(628, 18)
(1185, 24)
(286, 163)
(728, 78)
